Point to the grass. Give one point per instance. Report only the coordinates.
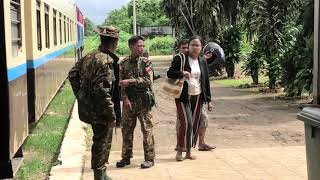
(238, 82)
(42, 146)
(91, 43)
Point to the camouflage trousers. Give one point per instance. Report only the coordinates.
(129, 123)
(102, 141)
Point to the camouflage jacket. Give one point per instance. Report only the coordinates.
(139, 72)
(92, 80)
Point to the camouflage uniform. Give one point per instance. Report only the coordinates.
(92, 80)
(139, 72)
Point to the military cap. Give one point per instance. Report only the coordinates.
(108, 31)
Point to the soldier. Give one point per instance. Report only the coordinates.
(135, 80)
(93, 83)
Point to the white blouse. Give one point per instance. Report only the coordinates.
(195, 77)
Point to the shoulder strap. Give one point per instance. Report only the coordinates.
(183, 61)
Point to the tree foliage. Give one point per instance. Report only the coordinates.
(89, 27)
(148, 13)
(266, 21)
(230, 41)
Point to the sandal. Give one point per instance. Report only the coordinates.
(206, 147)
(190, 157)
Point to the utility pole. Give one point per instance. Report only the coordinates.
(134, 18)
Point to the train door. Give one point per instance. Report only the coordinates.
(5, 163)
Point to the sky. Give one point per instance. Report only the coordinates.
(97, 10)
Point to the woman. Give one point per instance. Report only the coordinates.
(195, 92)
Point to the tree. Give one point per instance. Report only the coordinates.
(191, 17)
(231, 11)
(254, 64)
(231, 38)
(88, 27)
(266, 21)
(120, 19)
(297, 59)
(149, 13)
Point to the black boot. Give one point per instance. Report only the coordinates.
(147, 164)
(123, 163)
(100, 174)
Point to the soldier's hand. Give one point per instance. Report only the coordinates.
(127, 104)
(125, 83)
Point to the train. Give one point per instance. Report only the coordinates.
(40, 40)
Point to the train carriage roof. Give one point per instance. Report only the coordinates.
(67, 7)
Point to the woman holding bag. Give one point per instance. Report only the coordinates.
(195, 92)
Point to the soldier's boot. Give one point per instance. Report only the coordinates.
(100, 174)
(147, 164)
(123, 163)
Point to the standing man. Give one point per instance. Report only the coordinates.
(93, 83)
(136, 83)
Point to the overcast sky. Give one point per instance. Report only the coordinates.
(96, 10)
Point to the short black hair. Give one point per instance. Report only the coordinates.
(196, 37)
(182, 42)
(134, 39)
(107, 41)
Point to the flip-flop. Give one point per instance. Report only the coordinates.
(191, 157)
(206, 147)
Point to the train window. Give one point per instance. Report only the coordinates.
(70, 25)
(72, 31)
(15, 9)
(68, 29)
(60, 27)
(46, 20)
(39, 37)
(65, 30)
(55, 27)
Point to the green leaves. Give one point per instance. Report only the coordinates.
(89, 28)
(149, 13)
(231, 43)
(266, 22)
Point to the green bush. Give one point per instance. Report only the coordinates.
(91, 43)
(155, 46)
(160, 45)
(123, 48)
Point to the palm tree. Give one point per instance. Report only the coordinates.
(266, 20)
(297, 60)
(191, 17)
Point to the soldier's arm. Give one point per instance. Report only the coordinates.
(146, 80)
(101, 87)
(74, 77)
(122, 77)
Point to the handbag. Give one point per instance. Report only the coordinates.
(173, 87)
